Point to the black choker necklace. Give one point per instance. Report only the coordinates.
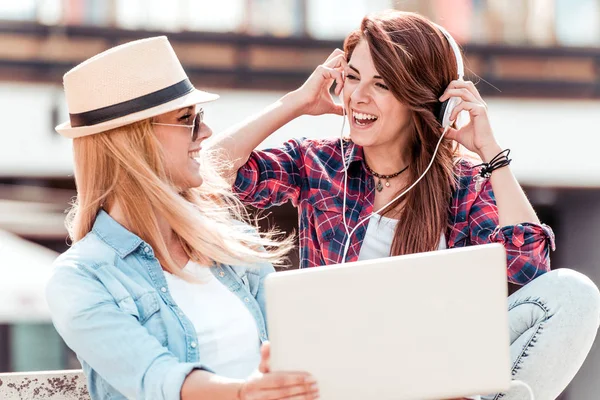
(386, 177)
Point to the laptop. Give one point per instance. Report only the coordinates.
(422, 326)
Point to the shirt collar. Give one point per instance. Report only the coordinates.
(115, 235)
(352, 152)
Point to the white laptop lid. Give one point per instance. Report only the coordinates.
(423, 326)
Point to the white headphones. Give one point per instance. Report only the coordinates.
(449, 105)
(444, 118)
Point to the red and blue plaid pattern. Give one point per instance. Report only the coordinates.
(309, 173)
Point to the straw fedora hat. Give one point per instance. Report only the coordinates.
(126, 84)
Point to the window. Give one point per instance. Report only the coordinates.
(578, 22)
(22, 10)
(36, 347)
(334, 19)
(214, 16)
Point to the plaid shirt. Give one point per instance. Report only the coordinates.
(309, 172)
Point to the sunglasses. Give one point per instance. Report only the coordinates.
(195, 127)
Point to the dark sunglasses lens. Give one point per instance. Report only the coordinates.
(196, 130)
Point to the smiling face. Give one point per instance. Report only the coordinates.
(376, 117)
(174, 132)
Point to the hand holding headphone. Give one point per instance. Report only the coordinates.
(476, 135)
(447, 115)
(314, 94)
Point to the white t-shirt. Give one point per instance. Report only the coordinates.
(379, 236)
(228, 339)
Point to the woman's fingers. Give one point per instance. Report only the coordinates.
(338, 61)
(462, 93)
(280, 385)
(328, 74)
(467, 85)
(336, 109)
(335, 53)
(475, 109)
(315, 92)
(276, 380)
(452, 134)
(265, 358)
(471, 87)
(302, 391)
(339, 64)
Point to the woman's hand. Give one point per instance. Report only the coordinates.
(277, 385)
(265, 358)
(313, 97)
(477, 135)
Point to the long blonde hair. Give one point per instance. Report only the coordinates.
(125, 165)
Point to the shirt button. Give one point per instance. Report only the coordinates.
(193, 344)
(247, 300)
(147, 249)
(163, 289)
(221, 274)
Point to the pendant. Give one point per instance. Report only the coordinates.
(479, 181)
(379, 186)
(387, 183)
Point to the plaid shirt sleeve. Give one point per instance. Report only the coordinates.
(527, 245)
(273, 176)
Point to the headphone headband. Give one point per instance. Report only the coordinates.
(459, 61)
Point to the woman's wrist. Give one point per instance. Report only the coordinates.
(487, 153)
(201, 384)
(294, 104)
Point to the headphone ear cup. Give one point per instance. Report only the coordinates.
(446, 111)
(442, 111)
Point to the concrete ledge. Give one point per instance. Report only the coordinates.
(63, 385)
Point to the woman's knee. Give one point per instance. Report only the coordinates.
(573, 291)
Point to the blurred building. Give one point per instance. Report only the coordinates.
(537, 62)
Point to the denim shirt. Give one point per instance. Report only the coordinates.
(111, 304)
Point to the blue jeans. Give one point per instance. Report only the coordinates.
(553, 322)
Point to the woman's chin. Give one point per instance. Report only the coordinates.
(361, 139)
(190, 183)
(196, 182)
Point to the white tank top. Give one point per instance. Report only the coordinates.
(228, 337)
(378, 238)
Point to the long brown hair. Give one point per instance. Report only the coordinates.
(126, 165)
(417, 64)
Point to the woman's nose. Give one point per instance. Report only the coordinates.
(359, 95)
(205, 132)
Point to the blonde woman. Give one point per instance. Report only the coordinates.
(160, 295)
